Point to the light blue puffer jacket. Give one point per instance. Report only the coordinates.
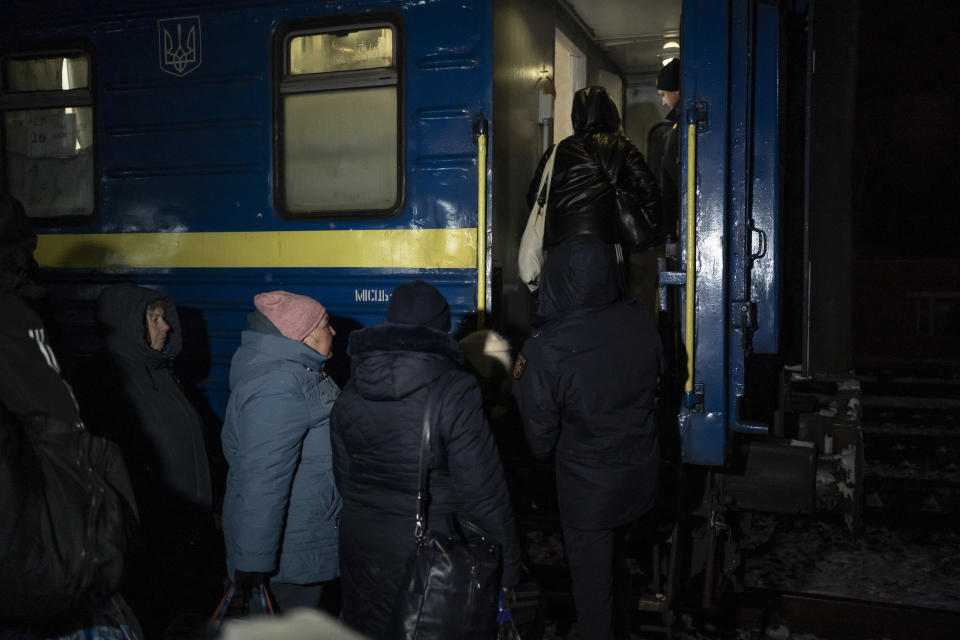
(281, 508)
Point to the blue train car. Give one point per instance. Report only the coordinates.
(219, 149)
(737, 91)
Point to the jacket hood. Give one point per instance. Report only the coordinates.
(257, 348)
(580, 273)
(121, 309)
(260, 323)
(594, 112)
(391, 361)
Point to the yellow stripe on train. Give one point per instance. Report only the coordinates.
(383, 248)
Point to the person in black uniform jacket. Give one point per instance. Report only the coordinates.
(668, 87)
(585, 385)
(582, 198)
(376, 426)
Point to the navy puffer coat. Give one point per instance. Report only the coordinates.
(281, 504)
(587, 386)
(376, 429)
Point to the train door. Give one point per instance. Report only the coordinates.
(730, 212)
(614, 86)
(570, 68)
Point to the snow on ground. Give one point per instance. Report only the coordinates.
(910, 567)
(918, 568)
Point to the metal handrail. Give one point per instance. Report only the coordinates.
(481, 226)
(691, 255)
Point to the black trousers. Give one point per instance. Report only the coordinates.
(601, 581)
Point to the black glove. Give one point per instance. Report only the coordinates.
(250, 579)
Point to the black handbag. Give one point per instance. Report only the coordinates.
(75, 514)
(637, 228)
(452, 582)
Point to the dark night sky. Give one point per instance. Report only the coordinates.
(907, 137)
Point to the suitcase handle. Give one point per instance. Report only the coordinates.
(216, 620)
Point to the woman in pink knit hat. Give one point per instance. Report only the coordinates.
(281, 506)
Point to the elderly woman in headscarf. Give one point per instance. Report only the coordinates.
(377, 425)
(135, 398)
(165, 444)
(281, 505)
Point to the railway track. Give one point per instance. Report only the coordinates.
(911, 433)
(899, 578)
(834, 618)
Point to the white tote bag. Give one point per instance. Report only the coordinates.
(530, 258)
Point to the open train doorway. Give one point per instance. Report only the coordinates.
(570, 69)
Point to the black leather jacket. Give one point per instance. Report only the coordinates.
(582, 199)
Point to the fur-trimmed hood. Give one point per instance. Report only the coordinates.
(391, 361)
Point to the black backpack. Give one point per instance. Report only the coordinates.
(69, 512)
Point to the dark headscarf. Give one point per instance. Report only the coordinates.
(121, 309)
(594, 112)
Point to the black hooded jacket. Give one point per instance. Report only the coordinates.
(30, 380)
(582, 198)
(140, 404)
(376, 426)
(586, 387)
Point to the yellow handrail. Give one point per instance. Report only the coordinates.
(481, 229)
(691, 249)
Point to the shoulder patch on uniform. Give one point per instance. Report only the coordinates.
(518, 366)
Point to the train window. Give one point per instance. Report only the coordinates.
(338, 147)
(326, 52)
(47, 123)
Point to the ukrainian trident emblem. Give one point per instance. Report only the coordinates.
(179, 45)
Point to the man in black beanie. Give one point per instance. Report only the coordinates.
(663, 145)
(668, 86)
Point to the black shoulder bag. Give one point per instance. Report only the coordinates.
(637, 228)
(74, 517)
(452, 583)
